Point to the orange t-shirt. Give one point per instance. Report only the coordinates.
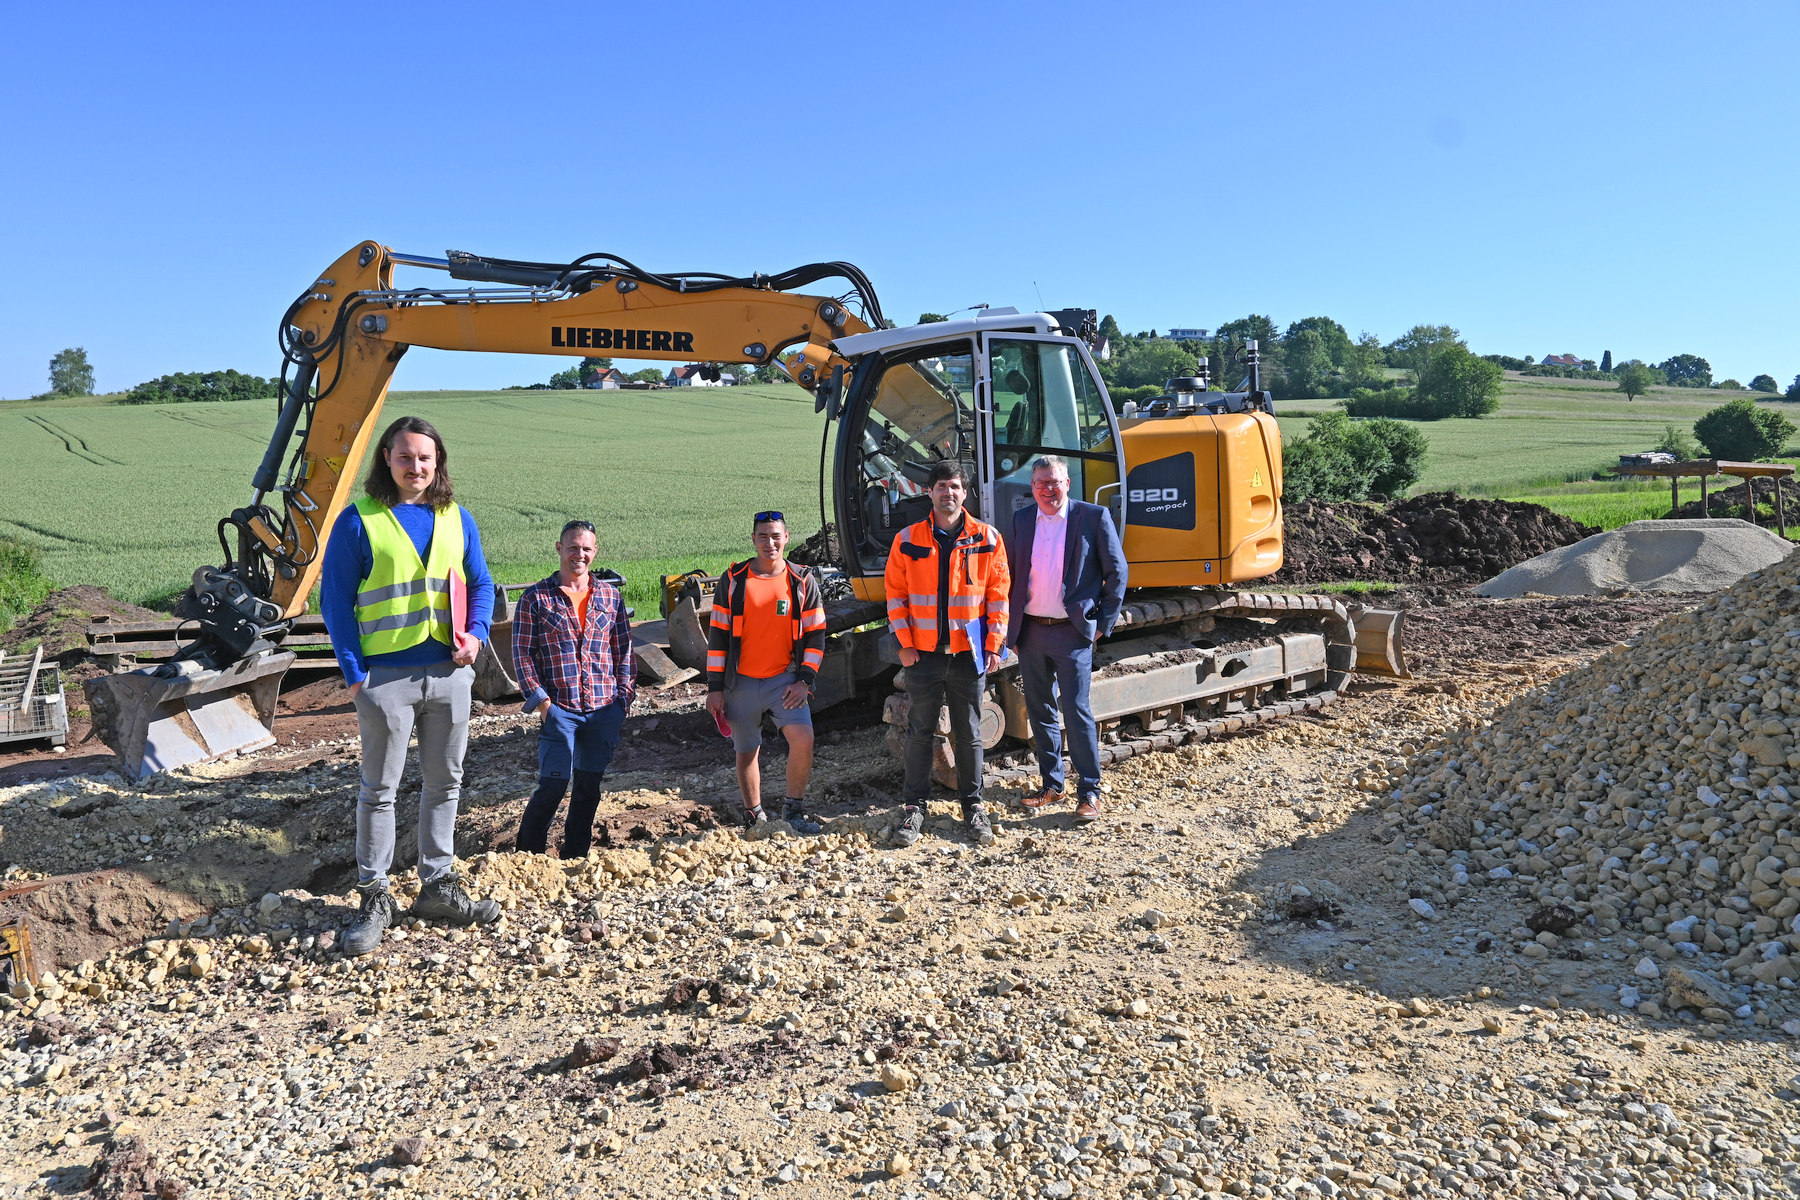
(580, 601)
(767, 647)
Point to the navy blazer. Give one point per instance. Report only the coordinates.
(1093, 575)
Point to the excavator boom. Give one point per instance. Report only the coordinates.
(341, 340)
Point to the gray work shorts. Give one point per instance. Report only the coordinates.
(746, 700)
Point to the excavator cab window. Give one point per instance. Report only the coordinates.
(904, 414)
(1045, 402)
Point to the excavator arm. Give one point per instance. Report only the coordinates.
(341, 340)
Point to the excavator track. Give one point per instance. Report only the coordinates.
(1186, 665)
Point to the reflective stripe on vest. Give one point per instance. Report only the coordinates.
(403, 601)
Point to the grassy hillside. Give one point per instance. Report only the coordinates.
(1547, 441)
(127, 496)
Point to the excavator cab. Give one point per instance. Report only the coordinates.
(992, 392)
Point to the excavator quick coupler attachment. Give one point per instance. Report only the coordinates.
(163, 717)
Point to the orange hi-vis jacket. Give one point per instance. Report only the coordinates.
(979, 582)
(806, 614)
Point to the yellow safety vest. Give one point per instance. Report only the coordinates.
(403, 602)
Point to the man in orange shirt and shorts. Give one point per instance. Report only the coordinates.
(763, 653)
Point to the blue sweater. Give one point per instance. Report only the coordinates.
(348, 561)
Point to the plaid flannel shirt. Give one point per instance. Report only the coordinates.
(551, 658)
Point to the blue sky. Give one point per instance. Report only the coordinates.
(1547, 178)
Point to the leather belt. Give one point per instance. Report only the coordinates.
(1047, 620)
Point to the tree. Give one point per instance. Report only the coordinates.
(1765, 383)
(1739, 430)
(1793, 392)
(1606, 362)
(1458, 383)
(1679, 442)
(1152, 362)
(1109, 329)
(1306, 362)
(1729, 385)
(593, 364)
(1687, 370)
(647, 375)
(1230, 342)
(567, 380)
(1634, 379)
(1364, 368)
(931, 318)
(70, 374)
(1415, 348)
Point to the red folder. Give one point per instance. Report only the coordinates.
(459, 602)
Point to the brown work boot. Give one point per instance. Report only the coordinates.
(1045, 795)
(1088, 811)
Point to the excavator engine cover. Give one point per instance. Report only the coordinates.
(154, 722)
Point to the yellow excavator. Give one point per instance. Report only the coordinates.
(1192, 477)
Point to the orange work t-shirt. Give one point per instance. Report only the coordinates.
(767, 647)
(580, 601)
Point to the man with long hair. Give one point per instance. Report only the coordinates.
(399, 565)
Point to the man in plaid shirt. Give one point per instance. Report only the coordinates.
(572, 657)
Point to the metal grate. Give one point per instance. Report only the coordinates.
(32, 704)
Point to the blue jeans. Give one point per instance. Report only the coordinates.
(1056, 662)
(573, 744)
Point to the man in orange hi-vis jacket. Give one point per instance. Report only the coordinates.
(762, 654)
(947, 584)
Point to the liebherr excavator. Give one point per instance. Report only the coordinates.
(1193, 480)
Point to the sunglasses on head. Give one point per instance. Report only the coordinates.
(771, 515)
(587, 525)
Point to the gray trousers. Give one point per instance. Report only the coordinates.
(392, 703)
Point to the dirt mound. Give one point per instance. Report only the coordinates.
(1439, 537)
(1729, 502)
(77, 917)
(819, 550)
(1646, 556)
(61, 622)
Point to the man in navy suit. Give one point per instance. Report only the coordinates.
(1067, 586)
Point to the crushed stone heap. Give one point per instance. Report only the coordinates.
(1650, 793)
(1437, 537)
(1647, 556)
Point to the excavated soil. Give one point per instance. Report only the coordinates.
(1438, 537)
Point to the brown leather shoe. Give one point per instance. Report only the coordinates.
(1087, 812)
(1043, 796)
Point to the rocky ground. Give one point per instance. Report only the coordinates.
(1249, 980)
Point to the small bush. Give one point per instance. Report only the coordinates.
(1140, 394)
(23, 584)
(1741, 431)
(1342, 459)
(1400, 403)
(1679, 442)
(1460, 384)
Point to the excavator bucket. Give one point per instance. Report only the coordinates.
(154, 722)
(1380, 649)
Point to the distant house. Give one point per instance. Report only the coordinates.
(1188, 335)
(693, 376)
(1561, 360)
(611, 379)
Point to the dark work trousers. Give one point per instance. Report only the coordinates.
(931, 682)
(1055, 661)
(570, 744)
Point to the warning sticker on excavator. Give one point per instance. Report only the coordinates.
(1256, 477)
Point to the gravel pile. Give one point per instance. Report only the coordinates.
(1646, 556)
(1650, 793)
(1438, 537)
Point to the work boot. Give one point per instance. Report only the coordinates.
(1043, 796)
(754, 816)
(794, 813)
(364, 932)
(912, 824)
(980, 828)
(444, 899)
